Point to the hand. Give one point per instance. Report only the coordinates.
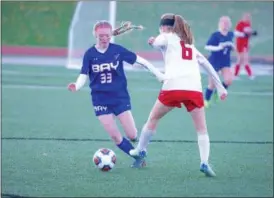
(222, 94)
(72, 87)
(162, 78)
(151, 40)
(254, 33)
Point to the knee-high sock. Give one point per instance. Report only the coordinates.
(144, 139)
(204, 147)
(248, 70)
(208, 94)
(237, 70)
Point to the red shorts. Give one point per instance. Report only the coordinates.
(242, 48)
(175, 98)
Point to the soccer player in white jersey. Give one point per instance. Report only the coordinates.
(182, 86)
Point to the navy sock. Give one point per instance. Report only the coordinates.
(125, 146)
(208, 94)
(225, 85)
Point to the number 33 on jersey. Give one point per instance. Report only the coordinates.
(106, 70)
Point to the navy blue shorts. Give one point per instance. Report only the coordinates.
(219, 64)
(110, 102)
(116, 109)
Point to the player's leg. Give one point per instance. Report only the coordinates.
(247, 65)
(128, 124)
(107, 119)
(209, 91)
(158, 111)
(109, 124)
(196, 108)
(239, 61)
(227, 76)
(123, 113)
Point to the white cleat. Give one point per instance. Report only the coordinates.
(134, 152)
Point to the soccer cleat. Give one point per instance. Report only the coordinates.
(207, 103)
(139, 158)
(137, 153)
(206, 169)
(139, 163)
(215, 96)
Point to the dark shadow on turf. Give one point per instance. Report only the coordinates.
(4, 195)
(107, 140)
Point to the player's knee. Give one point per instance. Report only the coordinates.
(201, 128)
(117, 138)
(240, 60)
(150, 127)
(228, 81)
(132, 135)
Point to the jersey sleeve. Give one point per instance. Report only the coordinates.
(86, 63)
(160, 41)
(213, 40)
(128, 56)
(232, 35)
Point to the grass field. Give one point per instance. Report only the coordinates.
(49, 136)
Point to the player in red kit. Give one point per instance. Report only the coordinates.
(242, 44)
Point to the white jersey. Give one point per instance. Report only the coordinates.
(181, 64)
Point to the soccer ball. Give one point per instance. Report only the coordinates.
(104, 159)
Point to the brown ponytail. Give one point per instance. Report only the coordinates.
(181, 28)
(125, 28)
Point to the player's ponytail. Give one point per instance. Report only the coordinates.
(182, 29)
(179, 26)
(126, 27)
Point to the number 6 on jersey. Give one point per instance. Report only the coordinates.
(186, 51)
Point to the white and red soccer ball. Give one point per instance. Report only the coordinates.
(104, 159)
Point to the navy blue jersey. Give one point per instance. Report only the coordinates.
(220, 58)
(106, 73)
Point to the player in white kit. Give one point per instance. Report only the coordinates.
(182, 85)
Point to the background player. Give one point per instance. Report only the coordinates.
(103, 63)
(242, 43)
(220, 45)
(183, 85)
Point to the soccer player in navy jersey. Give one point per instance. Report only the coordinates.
(220, 45)
(103, 64)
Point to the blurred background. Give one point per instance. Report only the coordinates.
(47, 24)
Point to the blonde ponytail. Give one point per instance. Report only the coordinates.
(126, 27)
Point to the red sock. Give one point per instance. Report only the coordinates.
(248, 70)
(237, 70)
